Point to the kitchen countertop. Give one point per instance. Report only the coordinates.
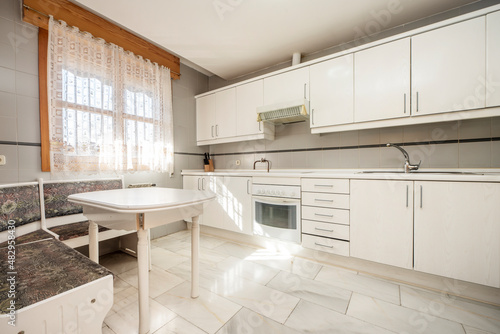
(434, 174)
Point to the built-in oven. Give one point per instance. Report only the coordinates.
(276, 208)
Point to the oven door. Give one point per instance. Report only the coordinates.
(276, 218)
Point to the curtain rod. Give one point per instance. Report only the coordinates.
(47, 16)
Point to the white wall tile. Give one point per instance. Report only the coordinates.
(315, 159)
(7, 31)
(27, 61)
(444, 156)
(7, 80)
(495, 127)
(391, 135)
(9, 9)
(349, 138)
(299, 159)
(9, 176)
(330, 139)
(8, 128)
(475, 128)
(11, 156)
(349, 158)
(369, 157)
(285, 160)
(331, 158)
(369, 137)
(26, 37)
(29, 157)
(7, 56)
(391, 158)
(495, 154)
(7, 104)
(26, 84)
(474, 155)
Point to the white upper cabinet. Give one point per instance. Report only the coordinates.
(225, 113)
(382, 82)
(288, 86)
(248, 97)
(332, 92)
(205, 117)
(448, 68)
(457, 230)
(382, 221)
(493, 59)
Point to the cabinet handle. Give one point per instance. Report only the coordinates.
(322, 229)
(305, 85)
(323, 215)
(217, 130)
(421, 196)
(323, 245)
(212, 131)
(312, 116)
(323, 200)
(405, 104)
(324, 185)
(417, 102)
(199, 183)
(259, 126)
(406, 195)
(248, 187)
(202, 184)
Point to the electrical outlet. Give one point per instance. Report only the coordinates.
(2, 160)
(238, 162)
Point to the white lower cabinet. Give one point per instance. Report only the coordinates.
(457, 230)
(232, 208)
(382, 221)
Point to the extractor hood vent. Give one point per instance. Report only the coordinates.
(281, 113)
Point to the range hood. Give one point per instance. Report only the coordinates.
(282, 113)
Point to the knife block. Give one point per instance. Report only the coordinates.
(210, 166)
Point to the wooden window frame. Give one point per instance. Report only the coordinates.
(37, 13)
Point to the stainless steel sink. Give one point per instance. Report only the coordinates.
(418, 172)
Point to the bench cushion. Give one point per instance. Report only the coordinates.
(56, 195)
(37, 235)
(45, 269)
(20, 204)
(74, 230)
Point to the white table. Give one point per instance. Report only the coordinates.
(139, 209)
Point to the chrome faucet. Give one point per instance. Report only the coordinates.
(408, 166)
(262, 160)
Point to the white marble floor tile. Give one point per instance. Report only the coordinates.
(179, 326)
(160, 281)
(210, 242)
(236, 250)
(209, 274)
(272, 258)
(331, 297)
(124, 298)
(172, 243)
(350, 280)
(181, 234)
(247, 321)
(118, 262)
(127, 319)
(311, 318)
(247, 269)
(305, 268)
(476, 315)
(397, 318)
(107, 330)
(208, 312)
(472, 330)
(206, 255)
(165, 259)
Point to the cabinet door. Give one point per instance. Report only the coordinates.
(237, 204)
(205, 117)
(212, 212)
(332, 92)
(225, 114)
(248, 97)
(382, 221)
(382, 82)
(493, 59)
(288, 86)
(448, 68)
(457, 230)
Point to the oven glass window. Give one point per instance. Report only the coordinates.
(281, 216)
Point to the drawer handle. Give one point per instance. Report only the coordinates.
(323, 245)
(323, 200)
(322, 229)
(324, 185)
(323, 215)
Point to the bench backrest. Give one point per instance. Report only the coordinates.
(19, 203)
(56, 194)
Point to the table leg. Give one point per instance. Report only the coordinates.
(93, 241)
(195, 248)
(143, 274)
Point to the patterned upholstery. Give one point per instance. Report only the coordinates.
(37, 235)
(20, 204)
(74, 230)
(56, 195)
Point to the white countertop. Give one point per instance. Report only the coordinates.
(477, 175)
(141, 200)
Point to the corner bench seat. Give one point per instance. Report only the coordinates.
(74, 230)
(54, 284)
(37, 235)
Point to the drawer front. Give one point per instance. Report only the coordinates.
(328, 230)
(337, 186)
(338, 201)
(337, 216)
(326, 245)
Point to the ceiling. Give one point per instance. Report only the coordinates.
(231, 38)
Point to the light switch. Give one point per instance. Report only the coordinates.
(2, 160)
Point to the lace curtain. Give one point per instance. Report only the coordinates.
(109, 110)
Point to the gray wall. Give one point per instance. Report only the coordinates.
(19, 112)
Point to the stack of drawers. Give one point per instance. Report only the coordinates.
(325, 215)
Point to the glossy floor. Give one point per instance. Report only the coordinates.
(250, 290)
